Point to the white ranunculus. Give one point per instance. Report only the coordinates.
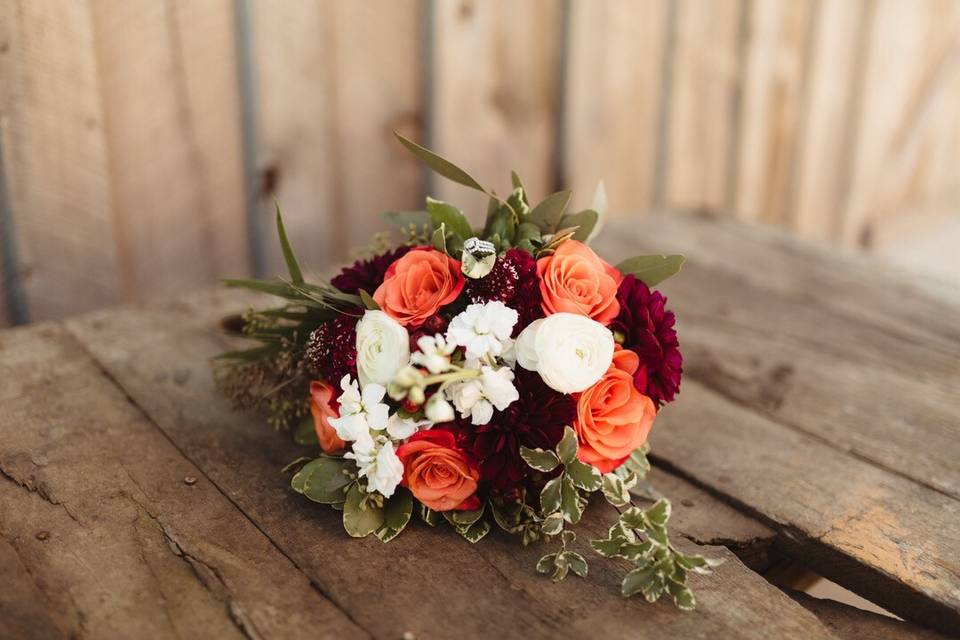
(379, 464)
(383, 346)
(570, 352)
(484, 329)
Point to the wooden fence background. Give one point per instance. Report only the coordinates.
(142, 142)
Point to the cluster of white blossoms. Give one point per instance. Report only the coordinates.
(570, 352)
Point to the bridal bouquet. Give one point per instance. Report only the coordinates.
(480, 377)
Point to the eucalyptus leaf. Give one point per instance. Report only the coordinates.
(442, 166)
(567, 447)
(548, 213)
(539, 459)
(584, 221)
(326, 481)
(295, 274)
(273, 287)
(550, 496)
(360, 518)
(653, 269)
(445, 213)
(584, 476)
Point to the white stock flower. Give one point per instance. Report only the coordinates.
(484, 329)
(570, 352)
(402, 428)
(360, 412)
(379, 464)
(434, 354)
(477, 397)
(383, 346)
(438, 409)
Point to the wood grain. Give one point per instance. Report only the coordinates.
(116, 530)
(850, 623)
(495, 67)
(56, 158)
(612, 101)
(431, 592)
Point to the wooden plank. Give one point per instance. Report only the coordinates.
(171, 106)
(55, 157)
(850, 623)
(769, 349)
(24, 613)
(121, 535)
(704, 75)
(826, 123)
(851, 422)
(909, 101)
(429, 592)
(333, 81)
(774, 79)
(495, 67)
(612, 101)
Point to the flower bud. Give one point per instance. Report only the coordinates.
(439, 410)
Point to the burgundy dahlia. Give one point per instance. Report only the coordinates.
(514, 282)
(367, 274)
(537, 419)
(648, 330)
(332, 350)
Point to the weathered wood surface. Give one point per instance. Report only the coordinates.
(104, 416)
(850, 623)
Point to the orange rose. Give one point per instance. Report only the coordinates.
(438, 473)
(613, 418)
(418, 284)
(321, 397)
(574, 279)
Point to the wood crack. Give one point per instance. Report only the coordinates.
(40, 489)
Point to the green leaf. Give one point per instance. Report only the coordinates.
(584, 476)
(637, 463)
(607, 548)
(652, 270)
(552, 525)
(305, 433)
(584, 221)
(439, 239)
(697, 563)
(547, 563)
(405, 220)
(444, 167)
(682, 595)
(551, 495)
(548, 213)
(360, 518)
(273, 287)
(295, 274)
(567, 447)
(570, 501)
(659, 513)
(577, 562)
(561, 567)
(518, 184)
(463, 518)
(633, 518)
(396, 514)
(527, 231)
(326, 480)
(639, 580)
(368, 301)
(300, 477)
(429, 516)
(567, 538)
(615, 490)
(476, 531)
(293, 464)
(539, 459)
(446, 213)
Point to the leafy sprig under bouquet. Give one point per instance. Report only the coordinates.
(480, 377)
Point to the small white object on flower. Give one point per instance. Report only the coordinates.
(484, 329)
(478, 258)
(402, 428)
(438, 409)
(360, 412)
(477, 397)
(434, 354)
(383, 346)
(379, 464)
(570, 352)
